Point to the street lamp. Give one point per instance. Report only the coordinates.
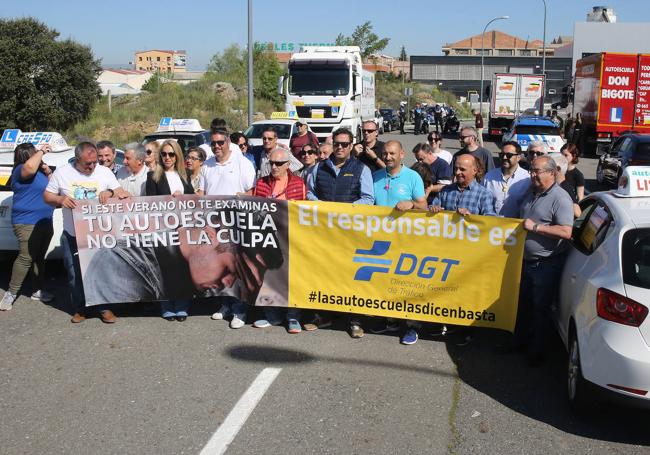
(541, 107)
(482, 55)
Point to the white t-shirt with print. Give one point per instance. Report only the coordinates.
(68, 181)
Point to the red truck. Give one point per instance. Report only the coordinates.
(612, 93)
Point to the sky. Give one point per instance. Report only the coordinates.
(116, 29)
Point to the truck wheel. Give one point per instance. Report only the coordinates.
(576, 384)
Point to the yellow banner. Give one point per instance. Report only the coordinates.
(415, 265)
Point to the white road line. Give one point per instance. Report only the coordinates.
(236, 419)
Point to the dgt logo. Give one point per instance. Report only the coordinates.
(407, 263)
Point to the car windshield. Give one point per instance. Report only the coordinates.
(636, 258)
(386, 111)
(320, 81)
(537, 129)
(255, 131)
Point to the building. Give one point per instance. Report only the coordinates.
(461, 75)
(388, 64)
(160, 60)
(497, 44)
(122, 82)
(185, 77)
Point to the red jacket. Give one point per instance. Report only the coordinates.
(295, 188)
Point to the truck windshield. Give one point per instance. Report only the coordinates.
(320, 81)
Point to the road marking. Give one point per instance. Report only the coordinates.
(236, 419)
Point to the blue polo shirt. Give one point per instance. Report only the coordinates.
(28, 204)
(407, 185)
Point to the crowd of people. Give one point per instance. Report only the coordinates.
(545, 196)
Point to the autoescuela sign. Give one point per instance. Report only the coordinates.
(287, 47)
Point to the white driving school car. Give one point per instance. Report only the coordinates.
(60, 155)
(602, 316)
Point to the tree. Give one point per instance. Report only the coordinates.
(45, 84)
(402, 55)
(232, 66)
(363, 37)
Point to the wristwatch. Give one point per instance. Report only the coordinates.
(535, 226)
(112, 192)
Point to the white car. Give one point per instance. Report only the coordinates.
(602, 313)
(61, 155)
(379, 120)
(285, 127)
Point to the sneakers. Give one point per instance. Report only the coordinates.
(410, 337)
(261, 324)
(218, 316)
(42, 296)
(7, 301)
(318, 322)
(237, 323)
(385, 326)
(356, 331)
(293, 326)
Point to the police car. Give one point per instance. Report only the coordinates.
(284, 123)
(188, 132)
(602, 313)
(61, 153)
(527, 129)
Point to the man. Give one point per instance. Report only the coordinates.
(402, 118)
(324, 151)
(548, 219)
(435, 141)
(417, 118)
(106, 156)
(133, 176)
(469, 145)
(478, 124)
(262, 153)
(440, 170)
(340, 178)
(81, 180)
(535, 149)
(438, 115)
(508, 183)
(219, 124)
(465, 196)
(302, 138)
(370, 151)
(557, 119)
(399, 187)
(227, 174)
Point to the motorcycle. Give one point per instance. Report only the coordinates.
(451, 123)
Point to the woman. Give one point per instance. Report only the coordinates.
(31, 219)
(425, 173)
(562, 167)
(169, 177)
(194, 159)
(308, 156)
(242, 142)
(574, 179)
(283, 185)
(153, 149)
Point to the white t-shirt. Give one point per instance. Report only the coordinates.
(236, 175)
(68, 181)
(134, 184)
(445, 155)
(174, 181)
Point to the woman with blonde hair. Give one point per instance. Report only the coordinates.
(153, 149)
(170, 178)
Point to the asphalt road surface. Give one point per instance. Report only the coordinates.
(148, 386)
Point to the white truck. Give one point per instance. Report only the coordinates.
(513, 95)
(328, 87)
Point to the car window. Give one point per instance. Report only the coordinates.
(616, 146)
(255, 131)
(625, 145)
(537, 129)
(591, 227)
(635, 249)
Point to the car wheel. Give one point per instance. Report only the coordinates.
(575, 381)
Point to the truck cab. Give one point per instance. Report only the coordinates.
(328, 87)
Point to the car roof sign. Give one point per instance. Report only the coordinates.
(13, 137)
(168, 124)
(635, 182)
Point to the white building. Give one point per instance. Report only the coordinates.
(132, 78)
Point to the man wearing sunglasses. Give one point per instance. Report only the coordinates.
(262, 154)
(469, 144)
(508, 183)
(535, 149)
(370, 151)
(340, 178)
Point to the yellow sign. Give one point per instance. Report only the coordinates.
(298, 103)
(415, 265)
(335, 103)
(317, 113)
(283, 115)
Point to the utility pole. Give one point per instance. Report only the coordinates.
(250, 61)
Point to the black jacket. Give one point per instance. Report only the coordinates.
(161, 188)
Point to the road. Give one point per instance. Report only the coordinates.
(148, 386)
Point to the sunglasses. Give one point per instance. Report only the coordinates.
(149, 151)
(463, 137)
(536, 153)
(308, 152)
(193, 158)
(435, 139)
(341, 144)
(369, 131)
(277, 163)
(219, 143)
(507, 155)
(243, 146)
(168, 154)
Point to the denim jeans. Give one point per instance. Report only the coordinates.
(72, 267)
(276, 315)
(233, 306)
(538, 292)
